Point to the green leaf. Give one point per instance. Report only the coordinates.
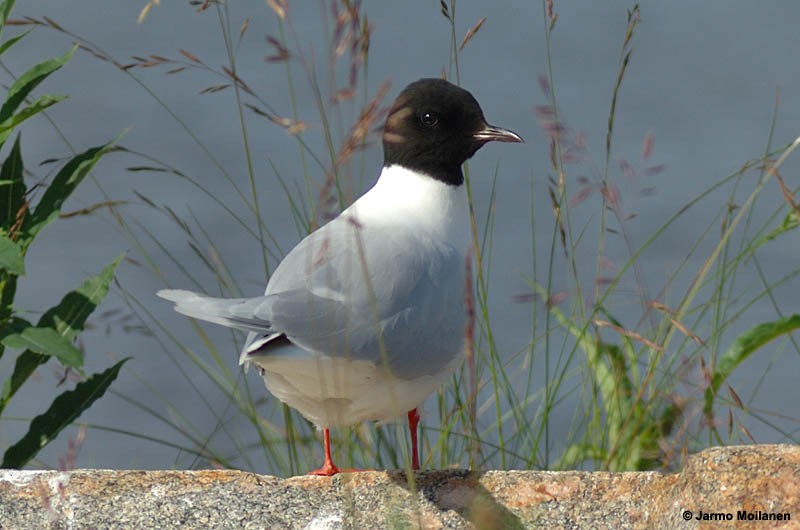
(72, 311)
(745, 345)
(5, 9)
(8, 289)
(8, 126)
(62, 187)
(30, 80)
(12, 189)
(11, 256)
(24, 366)
(46, 341)
(5, 46)
(12, 324)
(65, 409)
(67, 318)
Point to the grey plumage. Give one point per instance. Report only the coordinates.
(398, 300)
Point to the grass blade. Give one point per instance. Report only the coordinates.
(9, 124)
(743, 347)
(5, 9)
(30, 80)
(5, 46)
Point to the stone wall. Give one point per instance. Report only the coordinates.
(722, 484)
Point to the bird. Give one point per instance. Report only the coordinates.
(367, 315)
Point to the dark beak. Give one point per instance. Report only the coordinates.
(490, 133)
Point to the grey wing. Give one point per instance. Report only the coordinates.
(353, 292)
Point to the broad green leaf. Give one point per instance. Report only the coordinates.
(72, 311)
(12, 190)
(13, 325)
(11, 256)
(10, 324)
(65, 409)
(24, 366)
(745, 345)
(30, 80)
(67, 318)
(46, 341)
(62, 186)
(7, 126)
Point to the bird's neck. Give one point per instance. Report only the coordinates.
(435, 166)
(407, 197)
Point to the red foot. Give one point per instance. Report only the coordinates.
(333, 470)
(327, 470)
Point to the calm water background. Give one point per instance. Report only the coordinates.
(703, 79)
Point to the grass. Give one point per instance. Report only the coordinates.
(646, 386)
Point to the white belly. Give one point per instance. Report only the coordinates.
(337, 392)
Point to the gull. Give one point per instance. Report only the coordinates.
(367, 315)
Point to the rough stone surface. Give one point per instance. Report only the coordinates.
(757, 479)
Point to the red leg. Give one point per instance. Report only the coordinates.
(413, 422)
(327, 469)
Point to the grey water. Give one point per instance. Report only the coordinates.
(703, 79)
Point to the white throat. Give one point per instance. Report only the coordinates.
(408, 198)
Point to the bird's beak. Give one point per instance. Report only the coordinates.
(490, 133)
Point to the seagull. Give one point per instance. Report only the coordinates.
(367, 315)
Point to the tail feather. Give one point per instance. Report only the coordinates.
(230, 312)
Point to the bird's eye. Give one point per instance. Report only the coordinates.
(429, 119)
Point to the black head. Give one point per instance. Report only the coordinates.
(435, 126)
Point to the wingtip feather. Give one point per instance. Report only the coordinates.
(175, 295)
